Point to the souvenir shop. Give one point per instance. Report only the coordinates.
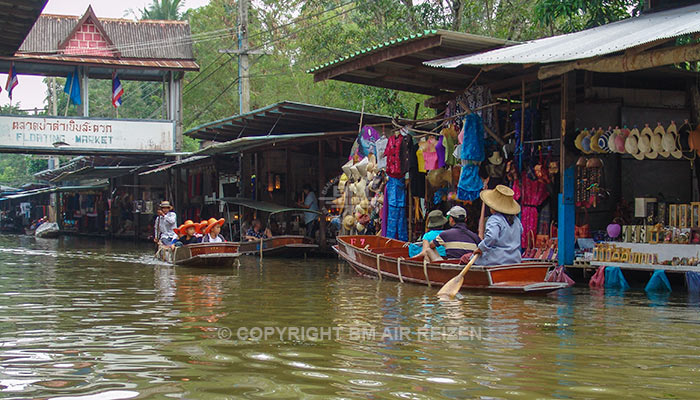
(83, 211)
(397, 174)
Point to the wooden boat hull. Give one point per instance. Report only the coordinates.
(47, 230)
(201, 255)
(378, 256)
(280, 246)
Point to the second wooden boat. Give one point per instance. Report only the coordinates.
(284, 246)
(200, 254)
(388, 258)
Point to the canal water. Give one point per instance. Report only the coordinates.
(88, 319)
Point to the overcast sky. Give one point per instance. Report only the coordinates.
(31, 91)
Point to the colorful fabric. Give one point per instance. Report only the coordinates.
(449, 140)
(501, 244)
(396, 227)
(457, 240)
(470, 183)
(393, 156)
(440, 150)
(252, 232)
(473, 142)
(421, 160)
(415, 248)
(534, 193)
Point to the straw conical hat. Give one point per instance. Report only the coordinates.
(346, 168)
(362, 167)
(501, 200)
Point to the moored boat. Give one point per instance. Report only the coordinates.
(388, 258)
(284, 246)
(47, 230)
(200, 254)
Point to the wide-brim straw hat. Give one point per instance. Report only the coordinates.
(611, 140)
(501, 200)
(595, 141)
(586, 144)
(657, 139)
(362, 167)
(348, 222)
(165, 204)
(439, 177)
(620, 143)
(670, 141)
(496, 158)
(645, 148)
(579, 139)
(188, 224)
(632, 144)
(212, 222)
(604, 140)
(201, 226)
(436, 219)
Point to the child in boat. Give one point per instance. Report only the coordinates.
(200, 229)
(435, 224)
(501, 244)
(458, 240)
(187, 234)
(256, 232)
(212, 233)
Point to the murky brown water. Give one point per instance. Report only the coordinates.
(81, 317)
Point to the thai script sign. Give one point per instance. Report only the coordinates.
(23, 132)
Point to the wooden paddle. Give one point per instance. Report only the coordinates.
(453, 285)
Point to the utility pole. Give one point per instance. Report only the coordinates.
(243, 52)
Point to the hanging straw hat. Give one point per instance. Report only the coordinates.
(346, 168)
(645, 143)
(604, 140)
(586, 144)
(439, 177)
(620, 140)
(501, 200)
(436, 220)
(632, 144)
(579, 139)
(362, 167)
(348, 222)
(694, 139)
(656, 141)
(670, 140)
(595, 143)
(213, 222)
(611, 140)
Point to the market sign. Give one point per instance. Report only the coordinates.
(73, 134)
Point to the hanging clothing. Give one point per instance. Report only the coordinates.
(501, 244)
(473, 140)
(533, 194)
(420, 159)
(396, 209)
(380, 146)
(440, 150)
(406, 149)
(449, 136)
(430, 155)
(470, 183)
(417, 177)
(393, 156)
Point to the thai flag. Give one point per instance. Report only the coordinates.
(117, 91)
(12, 80)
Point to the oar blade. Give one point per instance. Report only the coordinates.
(452, 286)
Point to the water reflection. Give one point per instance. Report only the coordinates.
(82, 317)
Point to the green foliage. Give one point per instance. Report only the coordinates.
(574, 15)
(163, 9)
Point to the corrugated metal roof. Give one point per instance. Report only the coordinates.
(249, 143)
(90, 172)
(16, 19)
(602, 40)
(167, 166)
(284, 118)
(170, 40)
(466, 41)
(60, 189)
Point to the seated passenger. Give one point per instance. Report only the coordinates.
(187, 234)
(435, 223)
(458, 240)
(212, 233)
(256, 232)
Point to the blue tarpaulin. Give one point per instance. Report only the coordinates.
(658, 282)
(614, 279)
(692, 280)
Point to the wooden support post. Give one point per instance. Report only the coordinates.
(321, 181)
(287, 169)
(566, 196)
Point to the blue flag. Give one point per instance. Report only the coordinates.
(73, 87)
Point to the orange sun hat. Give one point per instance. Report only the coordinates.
(201, 226)
(178, 230)
(187, 224)
(212, 222)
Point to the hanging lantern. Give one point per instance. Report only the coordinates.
(278, 184)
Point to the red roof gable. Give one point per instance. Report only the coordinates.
(88, 38)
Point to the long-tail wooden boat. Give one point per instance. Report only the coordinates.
(388, 258)
(285, 246)
(200, 254)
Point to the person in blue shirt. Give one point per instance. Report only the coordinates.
(501, 243)
(436, 223)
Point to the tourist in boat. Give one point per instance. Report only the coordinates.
(435, 222)
(501, 244)
(458, 240)
(212, 233)
(310, 202)
(188, 232)
(256, 232)
(165, 224)
(199, 232)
